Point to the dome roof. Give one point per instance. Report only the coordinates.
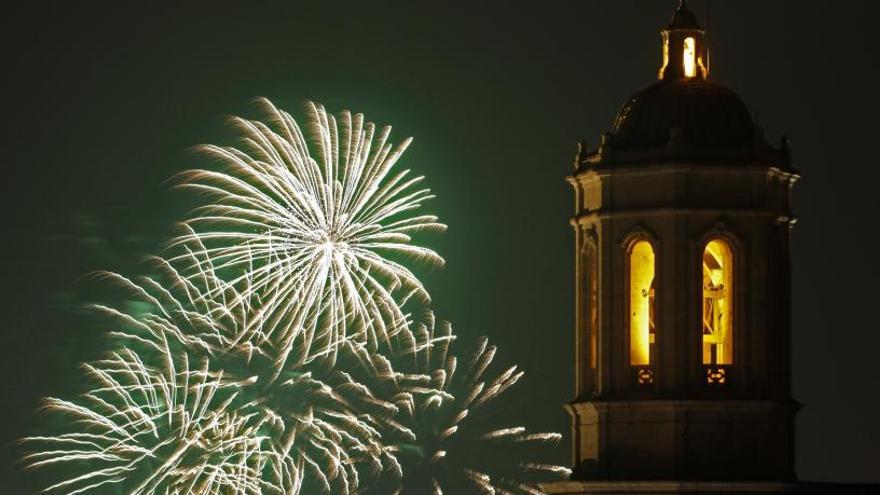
(684, 19)
(707, 115)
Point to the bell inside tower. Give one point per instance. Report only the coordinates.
(642, 297)
(717, 303)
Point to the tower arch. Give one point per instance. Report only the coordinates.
(641, 279)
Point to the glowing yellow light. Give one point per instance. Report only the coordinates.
(594, 309)
(690, 57)
(665, 55)
(717, 303)
(641, 305)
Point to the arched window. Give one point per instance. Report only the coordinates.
(717, 303)
(665, 54)
(641, 303)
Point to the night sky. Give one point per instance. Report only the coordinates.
(103, 103)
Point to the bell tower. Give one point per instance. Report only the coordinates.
(682, 328)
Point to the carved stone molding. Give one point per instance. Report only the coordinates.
(638, 233)
(721, 230)
(590, 239)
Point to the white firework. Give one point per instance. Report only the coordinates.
(164, 430)
(442, 440)
(320, 231)
(155, 425)
(299, 256)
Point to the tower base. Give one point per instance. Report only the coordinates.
(703, 487)
(701, 440)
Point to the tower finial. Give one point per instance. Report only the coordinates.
(682, 5)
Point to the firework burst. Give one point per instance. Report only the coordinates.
(318, 230)
(155, 424)
(227, 377)
(154, 430)
(443, 440)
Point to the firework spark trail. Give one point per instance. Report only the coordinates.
(314, 230)
(439, 439)
(294, 263)
(154, 425)
(156, 429)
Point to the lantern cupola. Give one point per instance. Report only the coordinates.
(684, 50)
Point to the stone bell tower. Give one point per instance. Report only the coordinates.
(682, 330)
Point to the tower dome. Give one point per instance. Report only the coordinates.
(684, 18)
(684, 106)
(695, 111)
(684, 116)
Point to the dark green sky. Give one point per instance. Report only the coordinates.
(103, 102)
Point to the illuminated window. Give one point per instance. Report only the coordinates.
(665, 55)
(641, 303)
(690, 57)
(717, 303)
